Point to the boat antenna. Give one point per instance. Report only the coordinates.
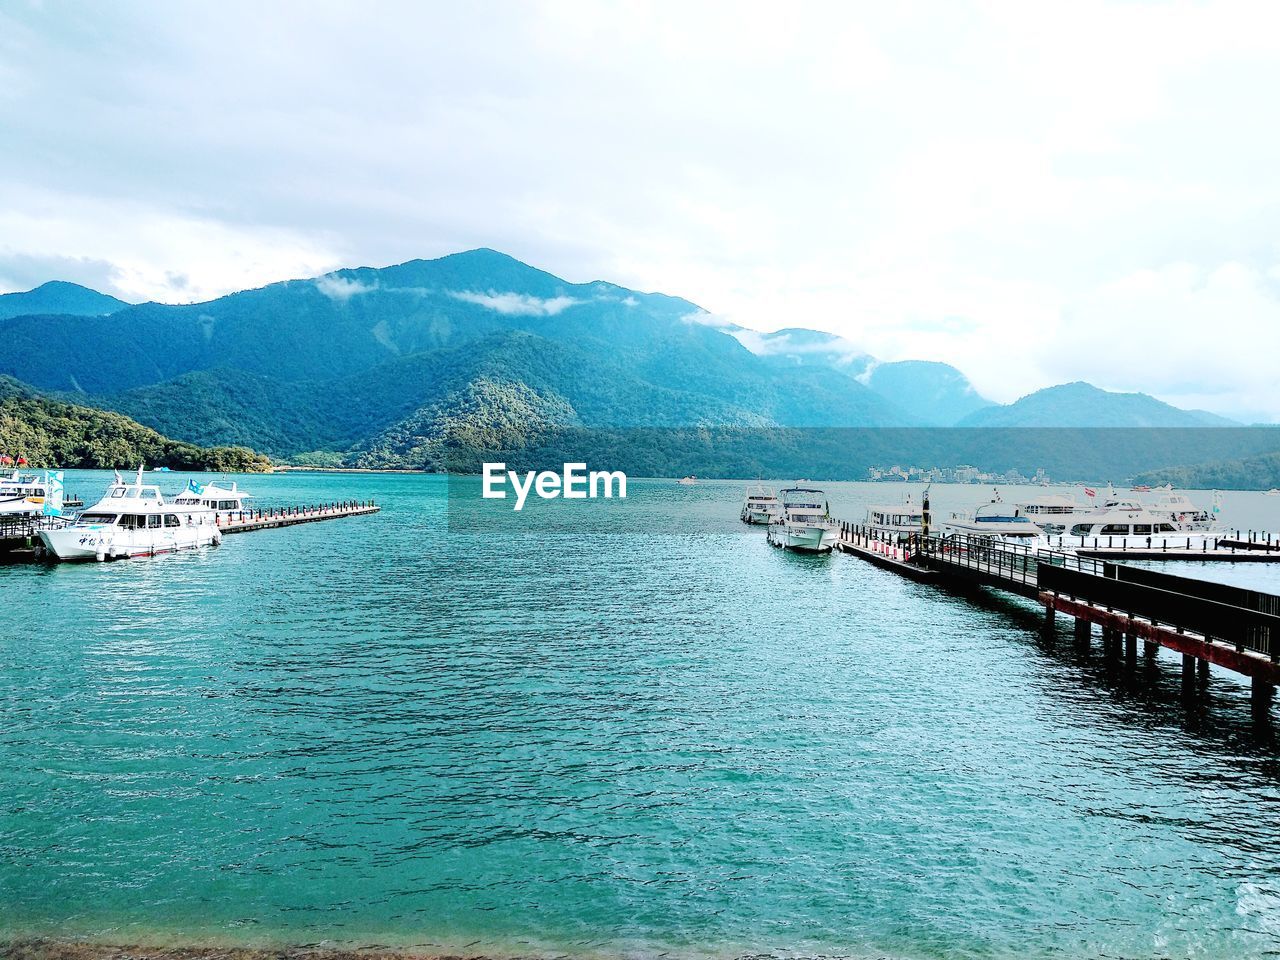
(139, 482)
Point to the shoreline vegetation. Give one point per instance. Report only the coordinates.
(52, 434)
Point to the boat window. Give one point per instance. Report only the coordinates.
(226, 504)
(38, 492)
(171, 520)
(1142, 528)
(107, 518)
(118, 492)
(1081, 529)
(153, 521)
(1166, 528)
(1115, 529)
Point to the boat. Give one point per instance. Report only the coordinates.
(1178, 509)
(1273, 492)
(27, 494)
(805, 524)
(1052, 512)
(131, 520)
(687, 481)
(1140, 488)
(900, 521)
(996, 520)
(1129, 525)
(212, 496)
(760, 505)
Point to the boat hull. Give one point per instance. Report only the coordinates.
(111, 543)
(803, 537)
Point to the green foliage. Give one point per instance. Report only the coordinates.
(49, 433)
(484, 416)
(1244, 473)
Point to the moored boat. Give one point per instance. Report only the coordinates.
(760, 505)
(132, 520)
(899, 521)
(996, 520)
(805, 524)
(26, 494)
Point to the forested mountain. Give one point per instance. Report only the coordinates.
(1084, 405)
(48, 433)
(58, 297)
(378, 364)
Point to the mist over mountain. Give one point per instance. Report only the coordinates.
(383, 362)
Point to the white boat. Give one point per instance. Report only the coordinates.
(996, 520)
(212, 496)
(687, 481)
(760, 505)
(1053, 513)
(26, 494)
(805, 523)
(1273, 492)
(900, 521)
(1128, 525)
(132, 520)
(1178, 509)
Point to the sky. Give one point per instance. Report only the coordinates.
(1035, 193)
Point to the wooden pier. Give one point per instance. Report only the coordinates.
(19, 535)
(1232, 627)
(247, 521)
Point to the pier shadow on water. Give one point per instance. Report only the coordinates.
(1215, 710)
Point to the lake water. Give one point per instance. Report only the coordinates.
(627, 729)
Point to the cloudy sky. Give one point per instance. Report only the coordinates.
(1033, 192)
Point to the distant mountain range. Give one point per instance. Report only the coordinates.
(374, 365)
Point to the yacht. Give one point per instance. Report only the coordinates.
(900, 521)
(998, 521)
(1127, 524)
(26, 494)
(687, 481)
(132, 520)
(1178, 509)
(212, 496)
(805, 523)
(1053, 513)
(760, 505)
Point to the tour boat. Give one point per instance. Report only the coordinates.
(997, 520)
(212, 496)
(687, 481)
(900, 521)
(132, 520)
(760, 505)
(1128, 525)
(1052, 512)
(805, 523)
(24, 494)
(1178, 509)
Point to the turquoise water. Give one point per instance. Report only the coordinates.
(646, 732)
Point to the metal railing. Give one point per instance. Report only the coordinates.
(1178, 602)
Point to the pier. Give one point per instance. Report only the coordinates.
(1203, 622)
(19, 534)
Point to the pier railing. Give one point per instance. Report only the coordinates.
(1215, 611)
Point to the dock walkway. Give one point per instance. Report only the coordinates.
(1233, 627)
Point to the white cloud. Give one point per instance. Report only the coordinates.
(966, 182)
(516, 304)
(342, 288)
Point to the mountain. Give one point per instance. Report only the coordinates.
(1081, 404)
(1242, 473)
(330, 363)
(49, 433)
(935, 393)
(59, 297)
